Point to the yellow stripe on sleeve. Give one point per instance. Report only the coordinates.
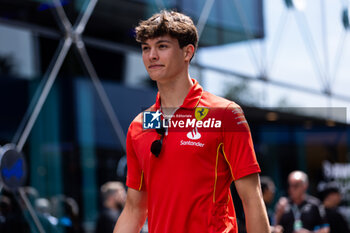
(141, 181)
(216, 170)
(223, 151)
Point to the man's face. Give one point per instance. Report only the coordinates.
(164, 59)
(119, 198)
(334, 199)
(269, 194)
(296, 188)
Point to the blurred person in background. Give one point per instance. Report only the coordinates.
(66, 210)
(71, 216)
(43, 208)
(113, 195)
(181, 180)
(268, 189)
(331, 197)
(300, 213)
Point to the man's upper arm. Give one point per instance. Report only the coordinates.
(134, 213)
(248, 186)
(134, 177)
(238, 146)
(136, 199)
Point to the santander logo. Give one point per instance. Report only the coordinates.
(194, 134)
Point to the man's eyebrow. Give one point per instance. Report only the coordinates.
(158, 42)
(163, 41)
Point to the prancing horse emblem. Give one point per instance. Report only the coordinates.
(200, 113)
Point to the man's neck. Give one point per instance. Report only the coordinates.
(174, 92)
(299, 200)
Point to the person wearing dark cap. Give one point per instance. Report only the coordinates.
(331, 198)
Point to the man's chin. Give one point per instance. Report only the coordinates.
(156, 78)
(153, 78)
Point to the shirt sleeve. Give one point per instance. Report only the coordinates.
(238, 146)
(134, 178)
(321, 219)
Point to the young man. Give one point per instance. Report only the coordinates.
(180, 177)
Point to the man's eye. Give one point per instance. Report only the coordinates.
(145, 48)
(162, 46)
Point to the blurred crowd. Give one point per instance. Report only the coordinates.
(57, 214)
(298, 212)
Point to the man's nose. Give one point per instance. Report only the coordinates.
(153, 55)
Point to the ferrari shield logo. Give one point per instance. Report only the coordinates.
(200, 113)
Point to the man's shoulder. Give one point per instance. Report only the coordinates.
(228, 111)
(210, 100)
(312, 200)
(137, 119)
(135, 126)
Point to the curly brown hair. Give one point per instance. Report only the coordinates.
(175, 24)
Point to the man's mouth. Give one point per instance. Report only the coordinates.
(155, 66)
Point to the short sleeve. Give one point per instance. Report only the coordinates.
(238, 146)
(134, 178)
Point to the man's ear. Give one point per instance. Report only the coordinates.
(188, 52)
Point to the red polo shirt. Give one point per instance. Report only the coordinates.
(188, 184)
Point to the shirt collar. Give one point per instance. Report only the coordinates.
(192, 99)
